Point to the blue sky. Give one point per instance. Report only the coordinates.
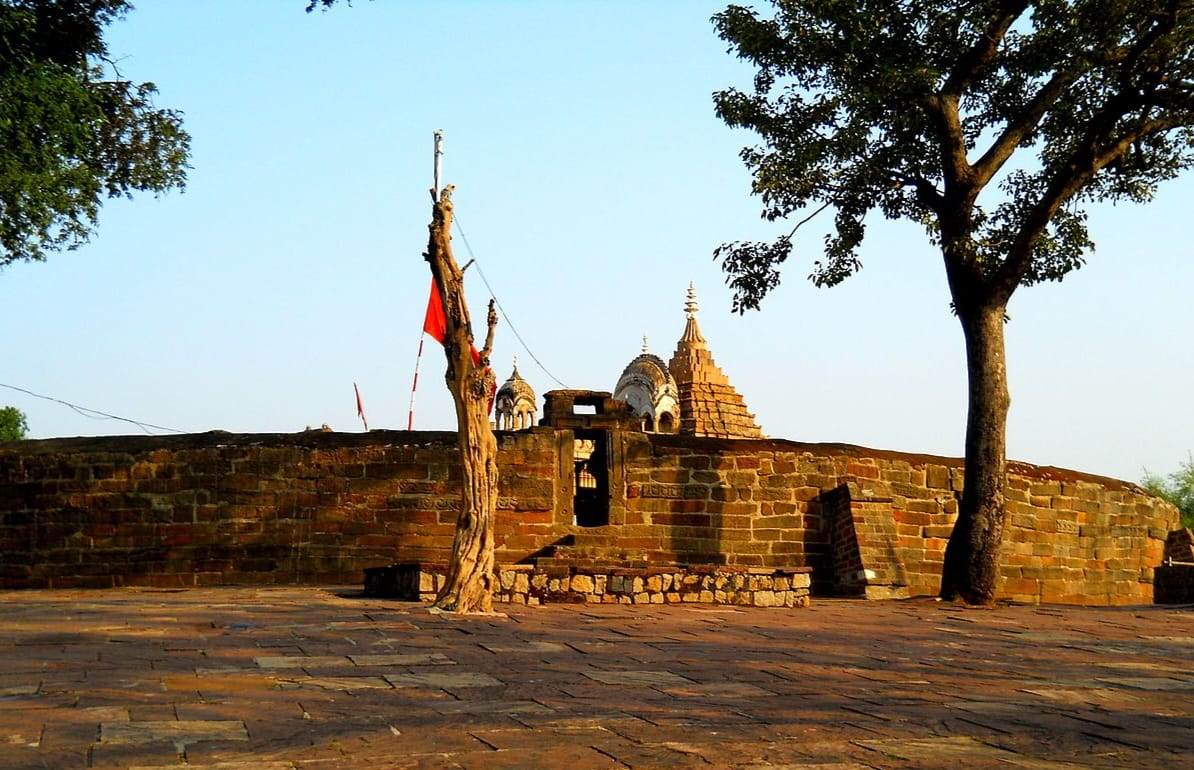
(593, 182)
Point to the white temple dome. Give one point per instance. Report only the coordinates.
(649, 390)
(514, 403)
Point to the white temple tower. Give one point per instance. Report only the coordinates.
(514, 404)
(648, 388)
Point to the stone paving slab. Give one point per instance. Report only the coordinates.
(310, 678)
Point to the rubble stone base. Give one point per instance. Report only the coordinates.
(526, 584)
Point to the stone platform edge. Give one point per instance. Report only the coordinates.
(527, 584)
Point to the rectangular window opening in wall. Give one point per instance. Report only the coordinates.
(584, 409)
(590, 462)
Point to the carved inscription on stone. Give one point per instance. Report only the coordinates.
(1066, 527)
(666, 491)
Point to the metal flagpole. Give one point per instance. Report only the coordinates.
(439, 156)
(438, 151)
(360, 407)
(410, 415)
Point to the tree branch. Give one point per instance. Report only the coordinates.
(943, 106)
(492, 321)
(805, 221)
(926, 193)
(1021, 126)
(955, 168)
(1085, 162)
(1094, 154)
(984, 49)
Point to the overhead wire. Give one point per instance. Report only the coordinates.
(94, 414)
(476, 263)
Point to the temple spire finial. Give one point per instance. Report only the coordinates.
(690, 305)
(709, 405)
(645, 350)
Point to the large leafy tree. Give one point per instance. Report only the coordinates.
(73, 131)
(994, 124)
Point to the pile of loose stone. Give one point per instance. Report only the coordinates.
(524, 584)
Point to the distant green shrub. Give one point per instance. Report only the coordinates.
(13, 426)
(1177, 488)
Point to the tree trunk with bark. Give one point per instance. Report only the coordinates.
(470, 579)
(971, 569)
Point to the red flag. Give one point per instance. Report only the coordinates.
(360, 406)
(435, 322)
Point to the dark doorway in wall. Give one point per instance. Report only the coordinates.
(590, 456)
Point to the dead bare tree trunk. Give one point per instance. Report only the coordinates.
(470, 580)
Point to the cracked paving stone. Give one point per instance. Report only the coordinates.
(1183, 641)
(935, 749)
(504, 649)
(492, 707)
(180, 733)
(419, 659)
(637, 677)
(1100, 696)
(245, 765)
(718, 690)
(336, 683)
(447, 681)
(1149, 683)
(18, 691)
(805, 766)
(302, 661)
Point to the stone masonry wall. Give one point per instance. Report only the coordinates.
(223, 508)
(1071, 537)
(1070, 542)
(314, 507)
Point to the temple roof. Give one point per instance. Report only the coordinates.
(649, 367)
(515, 387)
(709, 404)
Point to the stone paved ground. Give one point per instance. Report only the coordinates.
(316, 679)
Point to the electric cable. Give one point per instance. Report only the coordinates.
(94, 414)
(501, 309)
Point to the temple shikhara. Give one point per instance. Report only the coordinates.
(663, 490)
(709, 405)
